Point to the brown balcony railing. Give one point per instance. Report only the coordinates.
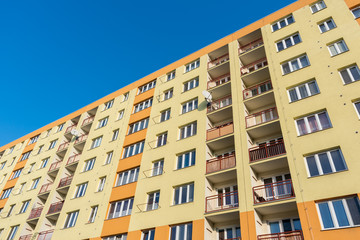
(68, 130)
(45, 188)
(250, 46)
(55, 207)
(65, 181)
(268, 150)
(218, 164)
(220, 131)
(73, 159)
(253, 66)
(261, 117)
(45, 235)
(257, 90)
(88, 120)
(292, 235)
(221, 202)
(25, 237)
(63, 146)
(35, 213)
(218, 61)
(218, 81)
(81, 139)
(55, 166)
(219, 103)
(273, 191)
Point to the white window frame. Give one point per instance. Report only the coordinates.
(80, 190)
(33, 139)
(96, 142)
(188, 187)
(16, 174)
(189, 106)
(93, 213)
(6, 193)
(126, 177)
(183, 131)
(89, 164)
(168, 94)
(109, 156)
(124, 207)
(35, 183)
(147, 87)
(277, 23)
(10, 210)
(357, 9)
(121, 114)
(283, 42)
(143, 105)
(176, 228)
(291, 68)
(108, 104)
(347, 69)
(318, 7)
(191, 84)
(157, 168)
(337, 48)
(24, 206)
(11, 149)
(44, 163)
(170, 76)
(180, 163)
(71, 219)
(103, 122)
(191, 66)
(117, 237)
(326, 25)
(357, 110)
(307, 88)
(25, 156)
(307, 125)
(148, 234)
(138, 126)
(133, 149)
(12, 232)
(154, 203)
(52, 144)
(101, 185)
(40, 149)
(161, 139)
(60, 127)
(2, 165)
(165, 115)
(125, 96)
(115, 135)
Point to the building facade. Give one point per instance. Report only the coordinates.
(271, 153)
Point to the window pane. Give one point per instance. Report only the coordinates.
(340, 213)
(173, 233)
(354, 208)
(274, 227)
(304, 61)
(338, 160)
(325, 215)
(325, 164)
(280, 46)
(357, 105)
(282, 23)
(288, 42)
(301, 126)
(342, 46)
(355, 73)
(322, 28)
(181, 232)
(333, 50)
(356, 12)
(312, 166)
(297, 224)
(324, 120)
(290, 19)
(313, 124)
(296, 38)
(183, 194)
(177, 191)
(286, 68)
(191, 193)
(295, 65)
(331, 24)
(275, 27)
(303, 91)
(293, 95)
(313, 88)
(287, 225)
(345, 76)
(189, 232)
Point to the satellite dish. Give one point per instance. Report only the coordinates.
(75, 132)
(207, 96)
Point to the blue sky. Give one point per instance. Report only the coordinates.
(58, 56)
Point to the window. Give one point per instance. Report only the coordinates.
(93, 214)
(325, 162)
(168, 94)
(31, 167)
(6, 193)
(157, 168)
(21, 188)
(115, 135)
(71, 219)
(34, 139)
(303, 91)
(186, 159)
(288, 42)
(108, 157)
(3, 178)
(134, 149)
(89, 164)
(161, 139)
(170, 76)
(101, 186)
(121, 114)
(188, 130)
(165, 115)
(12, 162)
(34, 183)
(60, 127)
(189, 106)
(80, 190)
(317, 6)
(184, 194)
(11, 149)
(120, 208)
(313, 123)
(44, 162)
(108, 104)
(357, 108)
(337, 48)
(153, 201)
(350, 74)
(192, 65)
(191, 84)
(25, 156)
(48, 133)
(125, 96)
(356, 12)
(117, 237)
(138, 126)
(96, 142)
(339, 213)
(24, 206)
(2, 165)
(126, 177)
(12, 232)
(181, 232)
(148, 234)
(282, 23)
(16, 174)
(295, 64)
(327, 25)
(52, 144)
(103, 122)
(40, 149)
(147, 87)
(10, 210)
(143, 105)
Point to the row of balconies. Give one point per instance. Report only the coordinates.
(44, 235)
(63, 183)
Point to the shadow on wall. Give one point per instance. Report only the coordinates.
(202, 106)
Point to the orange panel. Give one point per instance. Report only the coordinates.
(135, 235)
(97, 238)
(135, 137)
(29, 147)
(352, 3)
(162, 233)
(128, 163)
(123, 192)
(3, 202)
(144, 96)
(115, 226)
(247, 225)
(140, 115)
(198, 229)
(10, 183)
(20, 165)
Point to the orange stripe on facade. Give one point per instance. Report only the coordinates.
(123, 192)
(115, 226)
(248, 229)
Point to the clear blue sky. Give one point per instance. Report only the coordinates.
(58, 56)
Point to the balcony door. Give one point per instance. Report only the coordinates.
(285, 225)
(228, 196)
(278, 186)
(229, 233)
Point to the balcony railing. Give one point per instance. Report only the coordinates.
(218, 164)
(267, 150)
(145, 207)
(26, 237)
(221, 202)
(261, 117)
(257, 90)
(273, 191)
(253, 66)
(220, 131)
(45, 235)
(292, 235)
(73, 159)
(81, 139)
(45, 188)
(55, 166)
(55, 207)
(218, 61)
(88, 121)
(219, 103)
(236, 238)
(65, 181)
(218, 81)
(63, 146)
(250, 46)
(35, 213)
(68, 130)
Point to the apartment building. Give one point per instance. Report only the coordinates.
(270, 153)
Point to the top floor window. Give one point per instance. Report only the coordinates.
(147, 87)
(317, 6)
(170, 76)
(34, 139)
(125, 96)
(356, 12)
(192, 65)
(108, 104)
(282, 23)
(25, 156)
(60, 127)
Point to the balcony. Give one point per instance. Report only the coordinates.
(255, 72)
(221, 202)
(267, 151)
(25, 237)
(218, 164)
(220, 131)
(73, 159)
(45, 235)
(64, 182)
(146, 207)
(68, 130)
(217, 61)
(81, 139)
(261, 117)
(87, 123)
(55, 166)
(219, 86)
(250, 46)
(257, 90)
(252, 67)
(63, 147)
(273, 192)
(55, 207)
(35, 213)
(292, 235)
(45, 188)
(219, 104)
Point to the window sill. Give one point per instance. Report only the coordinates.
(296, 70)
(326, 174)
(186, 137)
(351, 82)
(180, 204)
(107, 219)
(184, 168)
(318, 10)
(304, 98)
(315, 132)
(189, 90)
(339, 53)
(340, 228)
